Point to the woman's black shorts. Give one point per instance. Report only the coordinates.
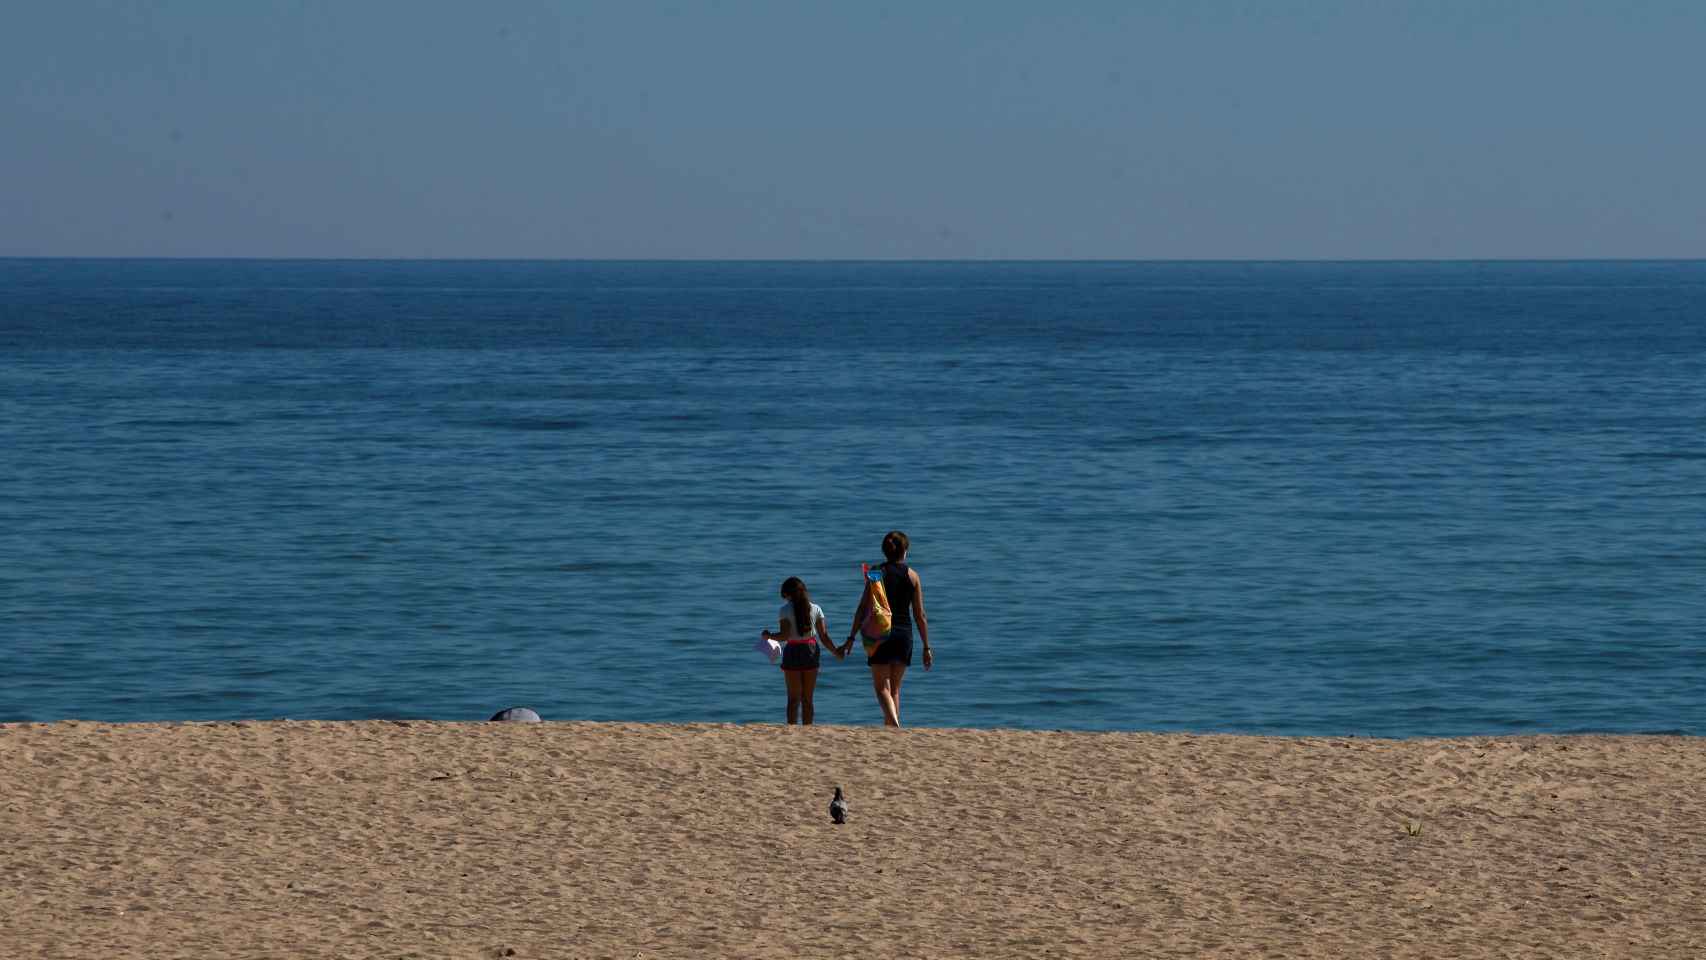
(895, 648)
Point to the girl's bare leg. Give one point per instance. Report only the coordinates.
(885, 699)
(793, 679)
(808, 683)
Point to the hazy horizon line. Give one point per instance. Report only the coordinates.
(853, 260)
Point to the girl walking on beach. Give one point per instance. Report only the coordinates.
(889, 660)
(801, 631)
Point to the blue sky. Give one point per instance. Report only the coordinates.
(1159, 130)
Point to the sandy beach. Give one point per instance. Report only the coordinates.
(418, 839)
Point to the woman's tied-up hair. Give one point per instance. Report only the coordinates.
(895, 545)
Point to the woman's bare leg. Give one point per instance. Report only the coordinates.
(885, 699)
(808, 683)
(793, 679)
(896, 671)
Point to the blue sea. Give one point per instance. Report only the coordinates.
(1388, 499)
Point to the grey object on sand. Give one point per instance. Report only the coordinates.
(516, 715)
(838, 807)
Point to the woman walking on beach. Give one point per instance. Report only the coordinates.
(888, 662)
(801, 652)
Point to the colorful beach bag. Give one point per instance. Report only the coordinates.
(878, 617)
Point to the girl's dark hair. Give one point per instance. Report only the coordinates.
(895, 545)
(794, 591)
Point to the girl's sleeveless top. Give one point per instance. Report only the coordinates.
(897, 583)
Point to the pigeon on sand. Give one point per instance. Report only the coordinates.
(838, 807)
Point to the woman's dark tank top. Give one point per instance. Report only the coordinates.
(897, 583)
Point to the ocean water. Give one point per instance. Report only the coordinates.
(1388, 499)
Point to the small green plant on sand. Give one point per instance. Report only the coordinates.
(1413, 827)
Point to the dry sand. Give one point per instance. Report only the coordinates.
(289, 839)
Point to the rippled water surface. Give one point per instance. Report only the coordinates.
(1392, 499)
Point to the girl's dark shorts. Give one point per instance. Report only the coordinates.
(801, 656)
(895, 648)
